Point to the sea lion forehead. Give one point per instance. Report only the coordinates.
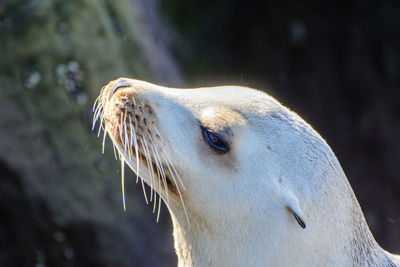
(220, 118)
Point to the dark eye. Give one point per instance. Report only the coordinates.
(214, 140)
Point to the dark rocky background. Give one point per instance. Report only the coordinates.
(336, 63)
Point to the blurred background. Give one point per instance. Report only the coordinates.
(336, 63)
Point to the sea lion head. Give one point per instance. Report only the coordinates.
(236, 167)
(212, 145)
(246, 180)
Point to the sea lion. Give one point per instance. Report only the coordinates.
(247, 181)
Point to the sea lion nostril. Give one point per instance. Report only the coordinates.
(120, 83)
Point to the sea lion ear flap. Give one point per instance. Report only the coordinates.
(292, 205)
(298, 218)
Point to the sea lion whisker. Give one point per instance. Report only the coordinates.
(158, 175)
(115, 127)
(141, 180)
(153, 148)
(100, 126)
(120, 128)
(159, 208)
(175, 172)
(168, 160)
(126, 140)
(101, 114)
(153, 192)
(136, 148)
(155, 202)
(96, 102)
(155, 180)
(177, 188)
(159, 182)
(164, 179)
(104, 141)
(99, 99)
(123, 182)
(132, 133)
(115, 151)
(129, 143)
(150, 166)
(158, 167)
(96, 107)
(96, 116)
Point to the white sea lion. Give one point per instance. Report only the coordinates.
(247, 181)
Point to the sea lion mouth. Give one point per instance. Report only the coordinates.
(131, 124)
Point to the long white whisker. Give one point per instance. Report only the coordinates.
(168, 158)
(152, 146)
(141, 180)
(96, 106)
(115, 151)
(136, 149)
(179, 191)
(126, 141)
(151, 168)
(158, 174)
(149, 165)
(95, 103)
(100, 126)
(128, 138)
(164, 179)
(123, 182)
(120, 128)
(133, 133)
(174, 172)
(154, 203)
(104, 140)
(96, 116)
(159, 208)
(134, 140)
(99, 99)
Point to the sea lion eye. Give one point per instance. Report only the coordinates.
(214, 140)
